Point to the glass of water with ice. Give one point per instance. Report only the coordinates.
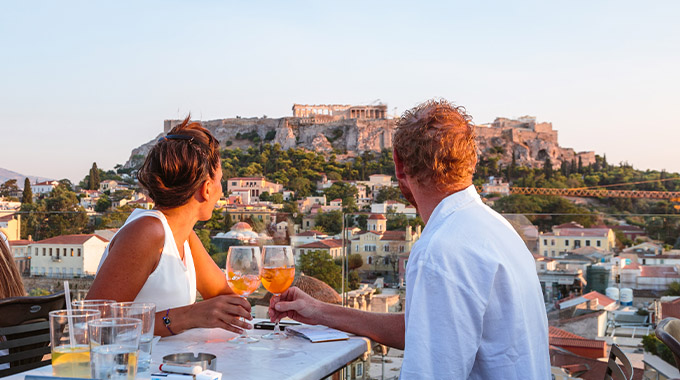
(146, 312)
(114, 348)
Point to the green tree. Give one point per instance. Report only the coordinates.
(103, 203)
(27, 196)
(117, 217)
(390, 194)
(354, 261)
(319, 264)
(64, 214)
(204, 236)
(340, 190)
(93, 183)
(331, 221)
(353, 279)
(9, 187)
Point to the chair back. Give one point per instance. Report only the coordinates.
(668, 331)
(25, 331)
(615, 371)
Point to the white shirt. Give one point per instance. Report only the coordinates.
(474, 307)
(173, 283)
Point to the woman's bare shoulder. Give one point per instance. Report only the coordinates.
(142, 234)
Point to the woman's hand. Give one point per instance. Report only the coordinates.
(222, 311)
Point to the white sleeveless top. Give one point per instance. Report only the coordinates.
(173, 283)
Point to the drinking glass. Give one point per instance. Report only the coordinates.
(114, 348)
(243, 275)
(278, 273)
(69, 342)
(104, 306)
(146, 312)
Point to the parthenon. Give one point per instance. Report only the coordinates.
(340, 111)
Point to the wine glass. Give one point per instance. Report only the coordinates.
(277, 275)
(244, 264)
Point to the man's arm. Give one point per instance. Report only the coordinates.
(384, 328)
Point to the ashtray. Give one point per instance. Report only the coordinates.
(205, 361)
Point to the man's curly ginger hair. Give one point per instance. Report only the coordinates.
(435, 141)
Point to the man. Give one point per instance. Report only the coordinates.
(474, 308)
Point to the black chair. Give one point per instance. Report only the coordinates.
(614, 371)
(24, 324)
(668, 331)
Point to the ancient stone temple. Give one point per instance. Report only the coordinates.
(332, 112)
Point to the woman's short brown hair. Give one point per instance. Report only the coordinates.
(179, 163)
(435, 141)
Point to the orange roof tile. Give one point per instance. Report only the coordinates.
(554, 332)
(659, 271)
(601, 298)
(323, 244)
(71, 239)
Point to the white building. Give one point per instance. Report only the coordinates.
(44, 187)
(67, 255)
(254, 185)
(496, 186)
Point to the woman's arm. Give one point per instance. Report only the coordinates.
(133, 255)
(210, 280)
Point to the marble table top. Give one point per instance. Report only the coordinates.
(292, 358)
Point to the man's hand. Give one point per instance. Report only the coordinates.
(295, 304)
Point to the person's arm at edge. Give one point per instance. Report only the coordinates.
(384, 328)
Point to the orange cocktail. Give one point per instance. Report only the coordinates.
(278, 279)
(242, 284)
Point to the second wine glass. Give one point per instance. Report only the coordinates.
(244, 265)
(278, 274)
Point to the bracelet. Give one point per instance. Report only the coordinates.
(166, 321)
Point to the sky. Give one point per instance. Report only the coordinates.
(88, 81)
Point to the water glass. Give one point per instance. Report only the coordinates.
(104, 306)
(146, 312)
(114, 348)
(69, 342)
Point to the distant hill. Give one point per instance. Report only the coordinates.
(6, 175)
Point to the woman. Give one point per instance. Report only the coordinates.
(157, 257)
(10, 279)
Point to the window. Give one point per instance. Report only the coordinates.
(79, 271)
(302, 251)
(587, 243)
(401, 249)
(545, 241)
(542, 266)
(552, 241)
(78, 252)
(36, 251)
(50, 251)
(553, 253)
(387, 260)
(58, 252)
(44, 250)
(599, 243)
(233, 183)
(545, 253)
(71, 252)
(566, 242)
(369, 260)
(405, 262)
(386, 248)
(357, 247)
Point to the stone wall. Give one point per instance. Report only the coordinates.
(79, 286)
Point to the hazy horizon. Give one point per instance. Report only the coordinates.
(88, 82)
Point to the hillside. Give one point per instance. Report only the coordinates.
(6, 175)
(530, 142)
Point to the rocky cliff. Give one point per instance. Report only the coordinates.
(530, 143)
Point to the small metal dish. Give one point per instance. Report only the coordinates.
(205, 361)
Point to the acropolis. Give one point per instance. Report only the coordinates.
(333, 112)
